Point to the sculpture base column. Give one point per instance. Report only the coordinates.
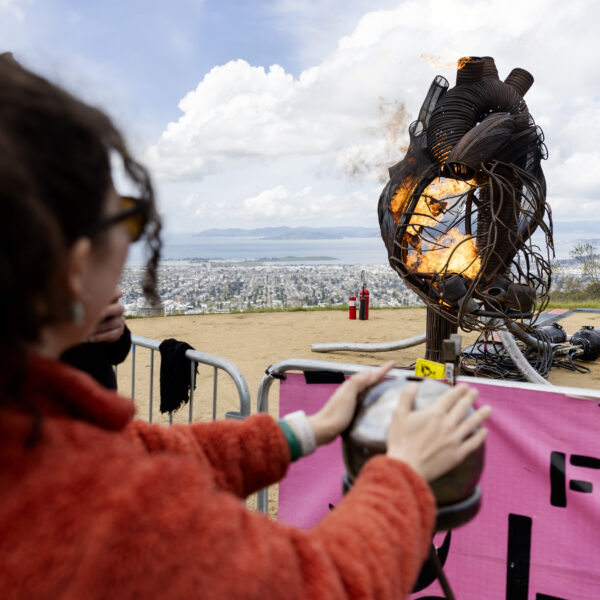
(438, 329)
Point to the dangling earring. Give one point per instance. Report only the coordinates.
(78, 313)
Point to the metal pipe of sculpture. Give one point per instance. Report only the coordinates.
(531, 341)
(380, 347)
(508, 341)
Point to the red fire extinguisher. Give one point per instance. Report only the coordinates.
(363, 312)
(352, 308)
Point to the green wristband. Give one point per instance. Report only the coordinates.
(292, 440)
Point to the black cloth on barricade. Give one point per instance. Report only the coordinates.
(174, 374)
(97, 359)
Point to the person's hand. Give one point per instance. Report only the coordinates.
(434, 440)
(337, 413)
(112, 323)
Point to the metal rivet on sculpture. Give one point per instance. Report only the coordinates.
(459, 210)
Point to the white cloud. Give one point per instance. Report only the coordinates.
(270, 203)
(573, 188)
(346, 117)
(279, 205)
(13, 7)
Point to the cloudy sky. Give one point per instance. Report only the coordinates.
(287, 112)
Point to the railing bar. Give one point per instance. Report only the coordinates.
(170, 417)
(192, 382)
(151, 384)
(231, 370)
(205, 359)
(133, 371)
(215, 374)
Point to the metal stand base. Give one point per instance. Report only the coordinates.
(454, 515)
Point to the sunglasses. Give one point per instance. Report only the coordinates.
(133, 214)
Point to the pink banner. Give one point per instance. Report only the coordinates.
(537, 535)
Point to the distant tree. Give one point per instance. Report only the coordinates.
(589, 259)
(557, 268)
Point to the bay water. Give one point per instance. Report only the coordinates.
(187, 247)
(179, 248)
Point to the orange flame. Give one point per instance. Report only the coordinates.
(401, 196)
(453, 251)
(442, 187)
(425, 214)
(463, 62)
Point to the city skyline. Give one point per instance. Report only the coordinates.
(217, 286)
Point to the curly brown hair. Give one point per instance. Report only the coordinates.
(55, 173)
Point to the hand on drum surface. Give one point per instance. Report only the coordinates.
(337, 413)
(434, 440)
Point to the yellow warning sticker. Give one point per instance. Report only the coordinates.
(429, 368)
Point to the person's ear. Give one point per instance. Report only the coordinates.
(77, 266)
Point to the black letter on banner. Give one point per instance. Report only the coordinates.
(545, 597)
(581, 486)
(558, 493)
(518, 557)
(589, 462)
(585, 461)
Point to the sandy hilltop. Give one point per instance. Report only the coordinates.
(253, 341)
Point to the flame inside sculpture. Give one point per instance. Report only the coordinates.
(459, 210)
(434, 247)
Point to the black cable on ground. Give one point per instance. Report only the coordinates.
(488, 358)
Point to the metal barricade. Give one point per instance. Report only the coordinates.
(278, 370)
(195, 358)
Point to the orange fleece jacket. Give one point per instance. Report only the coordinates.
(106, 507)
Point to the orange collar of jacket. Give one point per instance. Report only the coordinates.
(57, 388)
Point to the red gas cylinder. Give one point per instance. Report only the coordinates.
(364, 304)
(352, 308)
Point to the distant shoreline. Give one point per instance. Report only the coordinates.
(291, 233)
(253, 261)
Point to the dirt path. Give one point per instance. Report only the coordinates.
(254, 341)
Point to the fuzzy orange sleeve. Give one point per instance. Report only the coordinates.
(245, 456)
(168, 531)
(401, 508)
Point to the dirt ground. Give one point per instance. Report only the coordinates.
(254, 341)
